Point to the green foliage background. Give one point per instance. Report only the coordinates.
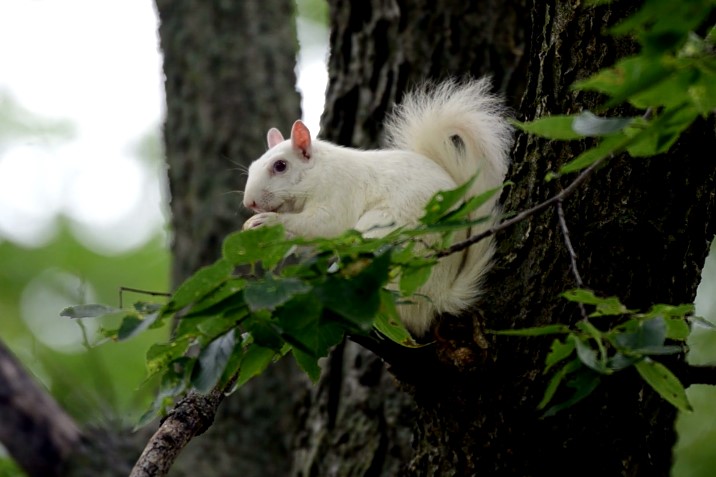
(99, 385)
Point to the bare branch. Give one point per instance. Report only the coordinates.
(191, 417)
(34, 429)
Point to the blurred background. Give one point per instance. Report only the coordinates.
(83, 202)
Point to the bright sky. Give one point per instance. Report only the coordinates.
(98, 65)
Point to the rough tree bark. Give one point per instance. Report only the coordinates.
(229, 70)
(641, 229)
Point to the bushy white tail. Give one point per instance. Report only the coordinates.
(462, 127)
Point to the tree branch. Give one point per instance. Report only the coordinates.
(34, 429)
(191, 417)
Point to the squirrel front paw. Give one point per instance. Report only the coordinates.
(264, 218)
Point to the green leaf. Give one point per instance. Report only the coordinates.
(669, 311)
(644, 334)
(676, 329)
(608, 306)
(357, 298)
(663, 25)
(255, 360)
(660, 134)
(589, 357)
(88, 311)
(210, 327)
(412, 278)
(212, 361)
(534, 331)
(588, 124)
(673, 91)
(628, 77)
(594, 333)
(664, 382)
(133, 324)
(557, 127)
(584, 382)
(299, 322)
(308, 363)
(473, 203)
(160, 355)
(660, 350)
(702, 93)
(265, 244)
(306, 330)
(264, 330)
(232, 366)
(607, 146)
(204, 281)
(556, 380)
(173, 383)
(217, 300)
(621, 361)
(271, 292)
(558, 352)
(444, 201)
(388, 322)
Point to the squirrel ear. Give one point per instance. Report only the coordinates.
(273, 137)
(301, 139)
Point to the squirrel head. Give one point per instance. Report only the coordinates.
(274, 182)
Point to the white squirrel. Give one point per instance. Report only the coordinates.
(439, 137)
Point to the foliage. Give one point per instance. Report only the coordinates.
(8, 468)
(84, 379)
(672, 81)
(583, 354)
(269, 296)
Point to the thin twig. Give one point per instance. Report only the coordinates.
(567, 191)
(139, 290)
(568, 243)
(572, 254)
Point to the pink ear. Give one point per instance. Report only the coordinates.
(273, 137)
(301, 139)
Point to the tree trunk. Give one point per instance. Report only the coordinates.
(640, 228)
(229, 70)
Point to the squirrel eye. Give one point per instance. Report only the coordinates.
(280, 166)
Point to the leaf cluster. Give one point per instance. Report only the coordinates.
(584, 354)
(672, 80)
(269, 296)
